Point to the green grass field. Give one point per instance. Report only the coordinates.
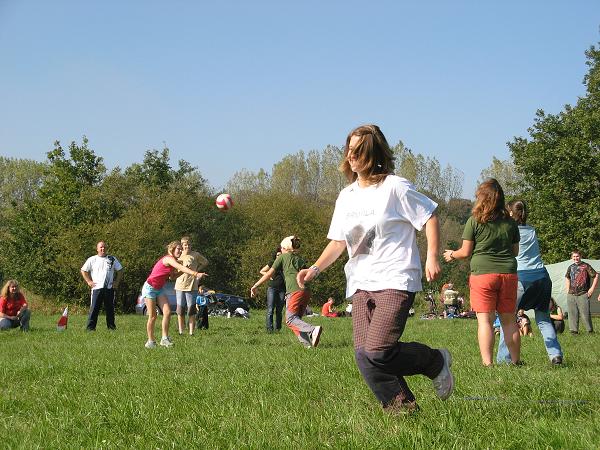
(234, 386)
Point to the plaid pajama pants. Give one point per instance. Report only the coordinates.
(378, 320)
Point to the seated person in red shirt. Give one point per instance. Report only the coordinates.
(13, 307)
(327, 309)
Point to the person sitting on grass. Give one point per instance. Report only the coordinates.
(557, 317)
(524, 323)
(296, 297)
(14, 311)
(154, 291)
(327, 309)
(496, 325)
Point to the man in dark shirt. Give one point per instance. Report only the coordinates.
(581, 280)
(275, 294)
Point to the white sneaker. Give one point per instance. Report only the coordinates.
(315, 336)
(444, 382)
(150, 344)
(166, 342)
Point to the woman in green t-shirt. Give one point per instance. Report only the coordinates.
(491, 239)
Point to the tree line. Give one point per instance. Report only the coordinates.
(52, 213)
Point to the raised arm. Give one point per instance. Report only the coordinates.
(264, 278)
(172, 262)
(332, 252)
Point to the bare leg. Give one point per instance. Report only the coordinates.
(180, 320)
(151, 311)
(163, 303)
(512, 336)
(192, 322)
(485, 336)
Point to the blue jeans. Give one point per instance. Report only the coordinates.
(527, 291)
(542, 318)
(275, 303)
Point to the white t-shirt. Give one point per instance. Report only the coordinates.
(102, 270)
(379, 224)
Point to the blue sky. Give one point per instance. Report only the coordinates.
(239, 84)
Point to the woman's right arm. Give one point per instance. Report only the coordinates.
(264, 270)
(172, 262)
(332, 252)
(462, 253)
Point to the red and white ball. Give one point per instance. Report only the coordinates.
(224, 202)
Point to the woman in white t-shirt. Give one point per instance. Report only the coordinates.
(375, 219)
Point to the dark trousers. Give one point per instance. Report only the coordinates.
(202, 317)
(378, 320)
(22, 322)
(275, 303)
(102, 296)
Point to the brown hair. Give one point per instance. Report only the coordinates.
(489, 203)
(6, 293)
(372, 153)
(518, 210)
(172, 246)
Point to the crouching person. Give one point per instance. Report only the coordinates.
(13, 307)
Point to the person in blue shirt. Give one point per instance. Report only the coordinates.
(535, 287)
(202, 309)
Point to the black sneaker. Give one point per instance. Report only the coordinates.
(556, 361)
(574, 332)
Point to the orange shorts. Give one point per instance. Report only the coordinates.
(494, 292)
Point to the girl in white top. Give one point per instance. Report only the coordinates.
(375, 220)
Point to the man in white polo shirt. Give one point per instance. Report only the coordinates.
(99, 274)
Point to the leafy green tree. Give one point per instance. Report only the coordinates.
(427, 174)
(20, 180)
(560, 163)
(508, 176)
(35, 246)
(245, 182)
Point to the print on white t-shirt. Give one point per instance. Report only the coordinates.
(379, 224)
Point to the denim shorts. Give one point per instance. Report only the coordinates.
(152, 293)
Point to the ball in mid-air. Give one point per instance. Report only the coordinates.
(224, 202)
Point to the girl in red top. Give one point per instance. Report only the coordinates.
(154, 293)
(327, 309)
(13, 307)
